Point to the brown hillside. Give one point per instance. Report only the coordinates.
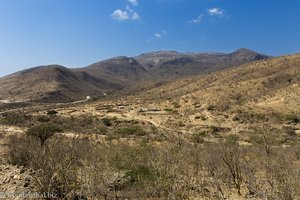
(56, 83)
(272, 83)
(52, 83)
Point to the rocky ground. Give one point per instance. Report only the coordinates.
(15, 182)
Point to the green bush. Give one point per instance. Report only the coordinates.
(256, 138)
(211, 107)
(51, 112)
(141, 173)
(106, 121)
(215, 129)
(290, 133)
(169, 110)
(132, 130)
(111, 137)
(134, 161)
(197, 117)
(293, 118)
(176, 105)
(198, 137)
(232, 139)
(43, 118)
(15, 118)
(43, 131)
(85, 124)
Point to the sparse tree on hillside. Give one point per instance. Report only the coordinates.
(43, 132)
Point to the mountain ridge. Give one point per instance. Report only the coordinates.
(57, 83)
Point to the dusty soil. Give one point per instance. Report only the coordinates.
(15, 181)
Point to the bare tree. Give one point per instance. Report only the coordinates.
(231, 157)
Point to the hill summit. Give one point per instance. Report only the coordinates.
(56, 83)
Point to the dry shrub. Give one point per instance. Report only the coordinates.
(56, 163)
(173, 169)
(21, 150)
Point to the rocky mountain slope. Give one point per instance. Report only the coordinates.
(272, 84)
(259, 94)
(253, 107)
(55, 83)
(121, 69)
(172, 65)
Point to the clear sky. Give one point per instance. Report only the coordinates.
(76, 33)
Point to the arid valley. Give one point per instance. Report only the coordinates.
(232, 133)
(149, 100)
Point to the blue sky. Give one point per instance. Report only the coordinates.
(76, 33)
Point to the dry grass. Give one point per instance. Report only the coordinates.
(231, 134)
